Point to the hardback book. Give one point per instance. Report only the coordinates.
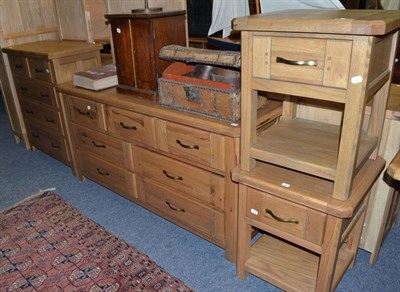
(97, 78)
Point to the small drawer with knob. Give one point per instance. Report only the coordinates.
(284, 216)
(87, 113)
(40, 69)
(197, 183)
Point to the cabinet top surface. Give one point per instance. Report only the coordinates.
(147, 15)
(352, 22)
(52, 48)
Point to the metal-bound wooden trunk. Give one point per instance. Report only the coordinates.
(208, 83)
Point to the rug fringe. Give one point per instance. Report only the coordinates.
(32, 195)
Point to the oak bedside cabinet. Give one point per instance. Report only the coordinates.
(37, 68)
(304, 185)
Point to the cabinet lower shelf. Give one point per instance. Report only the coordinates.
(288, 266)
(306, 146)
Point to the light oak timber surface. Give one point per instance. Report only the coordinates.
(36, 68)
(177, 164)
(358, 22)
(305, 184)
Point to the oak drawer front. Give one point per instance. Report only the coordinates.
(126, 125)
(53, 145)
(109, 175)
(108, 148)
(40, 92)
(18, 65)
(286, 216)
(40, 69)
(198, 218)
(47, 118)
(87, 113)
(191, 144)
(302, 60)
(195, 182)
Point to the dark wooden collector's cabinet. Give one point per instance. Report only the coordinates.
(137, 40)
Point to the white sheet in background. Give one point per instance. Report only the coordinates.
(276, 5)
(224, 11)
(391, 4)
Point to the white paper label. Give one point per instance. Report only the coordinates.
(356, 79)
(254, 211)
(118, 30)
(234, 124)
(285, 185)
(89, 107)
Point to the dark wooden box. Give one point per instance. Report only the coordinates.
(216, 95)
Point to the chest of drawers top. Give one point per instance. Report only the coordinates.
(52, 49)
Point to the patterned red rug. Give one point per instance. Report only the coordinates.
(48, 245)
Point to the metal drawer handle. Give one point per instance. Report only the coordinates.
(40, 70)
(98, 145)
(35, 136)
(49, 120)
(55, 145)
(82, 112)
(29, 111)
(297, 63)
(171, 176)
(291, 220)
(24, 88)
(187, 146)
(127, 127)
(102, 172)
(174, 208)
(19, 66)
(44, 95)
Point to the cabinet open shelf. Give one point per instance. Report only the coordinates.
(306, 146)
(288, 266)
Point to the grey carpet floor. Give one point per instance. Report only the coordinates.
(200, 264)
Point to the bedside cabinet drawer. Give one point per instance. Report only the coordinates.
(18, 65)
(286, 216)
(302, 60)
(111, 176)
(195, 182)
(197, 217)
(40, 92)
(108, 148)
(191, 144)
(127, 125)
(40, 70)
(87, 113)
(52, 145)
(47, 118)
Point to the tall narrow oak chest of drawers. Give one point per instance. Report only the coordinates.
(37, 68)
(173, 163)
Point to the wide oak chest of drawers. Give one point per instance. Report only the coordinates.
(37, 68)
(173, 163)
